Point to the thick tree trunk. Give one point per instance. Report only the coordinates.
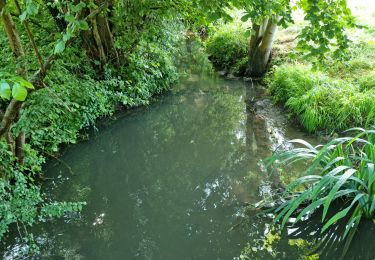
(254, 41)
(261, 47)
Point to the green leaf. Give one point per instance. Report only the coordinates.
(23, 16)
(31, 8)
(249, 33)
(67, 36)
(245, 17)
(335, 188)
(19, 92)
(341, 214)
(83, 25)
(23, 82)
(60, 47)
(5, 91)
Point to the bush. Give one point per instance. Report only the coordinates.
(75, 101)
(227, 48)
(320, 102)
(22, 202)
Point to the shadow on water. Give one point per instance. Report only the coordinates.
(170, 181)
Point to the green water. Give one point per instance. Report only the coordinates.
(169, 181)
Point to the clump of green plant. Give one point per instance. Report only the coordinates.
(78, 104)
(22, 202)
(340, 171)
(321, 103)
(227, 48)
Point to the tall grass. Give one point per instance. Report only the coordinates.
(340, 171)
(321, 102)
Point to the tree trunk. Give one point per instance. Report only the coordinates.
(99, 41)
(261, 47)
(14, 39)
(14, 108)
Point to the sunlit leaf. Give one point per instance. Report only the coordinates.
(19, 92)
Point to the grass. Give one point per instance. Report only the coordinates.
(320, 102)
(340, 95)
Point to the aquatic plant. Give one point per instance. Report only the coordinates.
(341, 171)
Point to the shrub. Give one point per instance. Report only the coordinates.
(227, 48)
(77, 102)
(75, 97)
(22, 202)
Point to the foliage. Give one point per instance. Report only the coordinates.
(321, 102)
(322, 35)
(22, 202)
(227, 48)
(15, 87)
(192, 57)
(341, 170)
(75, 93)
(150, 72)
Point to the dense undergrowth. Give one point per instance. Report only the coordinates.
(227, 49)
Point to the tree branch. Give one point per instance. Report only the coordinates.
(14, 106)
(30, 35)
(33, 21)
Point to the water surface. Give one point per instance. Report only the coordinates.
(170, 181)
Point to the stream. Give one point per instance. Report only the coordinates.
(170, 181)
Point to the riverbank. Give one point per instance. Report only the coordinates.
(77, 93)
(326, 98)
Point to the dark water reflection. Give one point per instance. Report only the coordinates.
(170, 181)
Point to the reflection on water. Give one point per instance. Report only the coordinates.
(170, 181)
